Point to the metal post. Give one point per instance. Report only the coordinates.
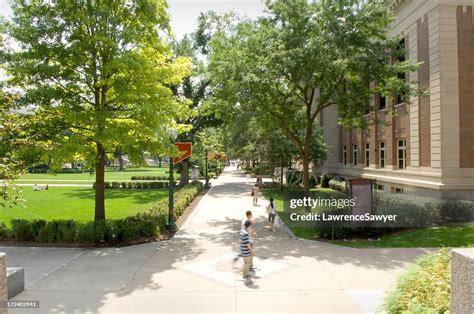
(207, 178)
(171, 223)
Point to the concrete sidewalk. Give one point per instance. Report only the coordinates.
(195, 271)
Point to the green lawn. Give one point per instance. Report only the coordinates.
(459, 235)
(300, 232)
(78, 203)
(85, 177)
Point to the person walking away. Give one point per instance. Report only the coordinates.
(254, 194)
(271, 210)
(246, 249)
(252, 233)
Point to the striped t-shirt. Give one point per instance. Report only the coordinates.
(244, 243)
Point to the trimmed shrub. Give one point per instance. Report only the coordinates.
(150, 178)
(136, 184)
(66, 231)
(313, 181)
(22, 230)
(424, 287)
(325, 181)
(48, 233)
(3, 231)
(338, 185)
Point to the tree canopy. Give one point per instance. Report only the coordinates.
(306, 56)
(93, 76)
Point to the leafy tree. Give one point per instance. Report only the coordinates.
(196, 87)
(306, 56)
(10, 169)
(95, 75)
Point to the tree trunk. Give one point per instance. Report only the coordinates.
(159, 162)
(99, 184)
(184, 173)
(281, 173)
(306, 173)
(120, 158)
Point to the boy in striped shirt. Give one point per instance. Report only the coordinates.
(246, 250)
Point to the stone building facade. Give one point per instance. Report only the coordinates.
(428, 147)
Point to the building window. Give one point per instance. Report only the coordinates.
(380, 187)
(400, 55)
(402, 154)
(354, 155)
(382, 154)
(397, 190)
(344, 155)
(382, 102)
(367, 155)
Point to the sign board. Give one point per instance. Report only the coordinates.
(361, 190)
(185, 149)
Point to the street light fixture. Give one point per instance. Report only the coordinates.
(173, 134)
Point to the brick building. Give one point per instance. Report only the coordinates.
(428, 147)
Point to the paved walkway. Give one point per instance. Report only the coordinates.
(195, 272)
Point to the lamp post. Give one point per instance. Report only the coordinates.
(206, 185)
(173, 134)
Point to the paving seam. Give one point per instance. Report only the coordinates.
(59, 267)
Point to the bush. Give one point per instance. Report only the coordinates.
(313, 181)
(3, 231)
(325, 181)
(424, 287)
(48, 233)
(294, 177)
(66, 231)
(150, 178)
(22, 230)
(135, 185)
(338, 185)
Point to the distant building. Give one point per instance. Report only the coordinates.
(428, 147)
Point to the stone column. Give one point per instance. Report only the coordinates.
(462, 281)
(3, 284)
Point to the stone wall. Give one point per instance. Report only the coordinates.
(3, 283)
(462, 281)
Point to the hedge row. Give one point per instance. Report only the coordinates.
(150, 178)
(420, 210)
(146, 224)
(70, 231)
(136, 185)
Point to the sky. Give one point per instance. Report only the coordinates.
(184, 13)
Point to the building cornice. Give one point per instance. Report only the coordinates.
(397, 4)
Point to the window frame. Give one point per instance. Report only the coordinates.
(382, 151)
(402, 149)
(355, 156)
(367, 154)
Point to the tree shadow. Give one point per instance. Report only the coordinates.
(138, 196)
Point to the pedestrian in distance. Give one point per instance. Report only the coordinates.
(246, 250)
(254, 194)
(271, 211)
